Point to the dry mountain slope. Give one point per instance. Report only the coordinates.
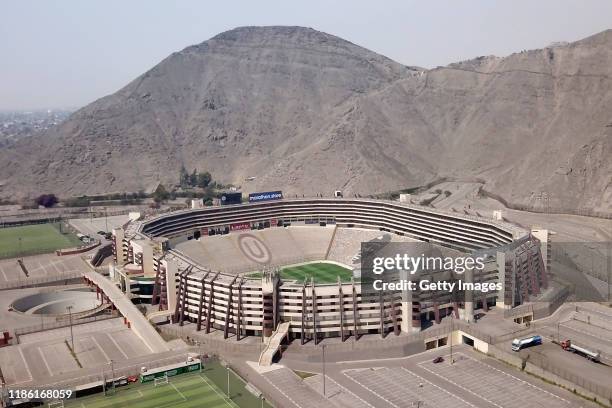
(307, 112)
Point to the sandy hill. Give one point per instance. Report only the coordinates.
(307, 112)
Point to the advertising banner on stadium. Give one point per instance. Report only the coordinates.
(266, 196)
(231, 198)
(241, 226)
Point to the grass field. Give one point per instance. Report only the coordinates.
(183, 391)
(322, 272)
(35, 239)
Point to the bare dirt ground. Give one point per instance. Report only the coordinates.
(464, 199)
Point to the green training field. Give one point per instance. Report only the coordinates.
(35, 239)
(183, 391)
(322, 272)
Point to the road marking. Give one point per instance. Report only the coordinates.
(101, 349)
(350, 392)
(25, 364)
(177, 390)
(117, 344)
(493, 368)
(5, 277)
(45, 361)
(282, 392)
(369, 389)
(458, 385)
(54, 264)
(440, 388)
(518, 379)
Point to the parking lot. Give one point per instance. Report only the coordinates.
(46, 354)
(472, 380)
(91, 226)
(38, 268)
(491, 384)
(400, 387)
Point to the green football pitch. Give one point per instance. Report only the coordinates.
(322, 272)
(35, 239)
(189, 391)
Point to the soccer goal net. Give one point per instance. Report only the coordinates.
(161, 380)
(56, 404)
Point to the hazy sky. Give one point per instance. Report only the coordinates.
(69, 53)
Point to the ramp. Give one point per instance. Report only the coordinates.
(266, 357)
(140, 325)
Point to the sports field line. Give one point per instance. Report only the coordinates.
(223, 397)
(177, 390)
(149, 391)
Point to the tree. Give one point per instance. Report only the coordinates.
(193, 179)
(204, 179)
(160, 194)
(183, 177)
(47, 200)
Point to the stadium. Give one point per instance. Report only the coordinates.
(289, 267)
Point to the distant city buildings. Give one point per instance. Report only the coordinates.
(18, 124)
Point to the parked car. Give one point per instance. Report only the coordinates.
(438, 359)
(101, 232)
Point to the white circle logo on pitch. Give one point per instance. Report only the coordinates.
(254, 249)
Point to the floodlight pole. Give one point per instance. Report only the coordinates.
(113, 374)
(199, 344)
(103, 382)
(228, 382)
(69, 308)
(105, 220)
(323, 359)
(451, 338)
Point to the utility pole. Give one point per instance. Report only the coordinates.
(103, 382)
(105, 220)
(323, 359)
(199, 344)
(113, 374)
(227, 368)
(451, 337)
(609, 267)
(69, 308)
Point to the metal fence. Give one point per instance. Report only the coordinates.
(106, 373)
(58, 324)
(541, 361)
(33, 282)
(25, 252)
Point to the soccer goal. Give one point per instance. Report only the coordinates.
(56, 404)
(160, 380)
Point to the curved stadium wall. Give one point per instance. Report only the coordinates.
(214, 300)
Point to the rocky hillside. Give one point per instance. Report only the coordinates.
(307, 112)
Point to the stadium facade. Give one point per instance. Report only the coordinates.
(148, 267)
